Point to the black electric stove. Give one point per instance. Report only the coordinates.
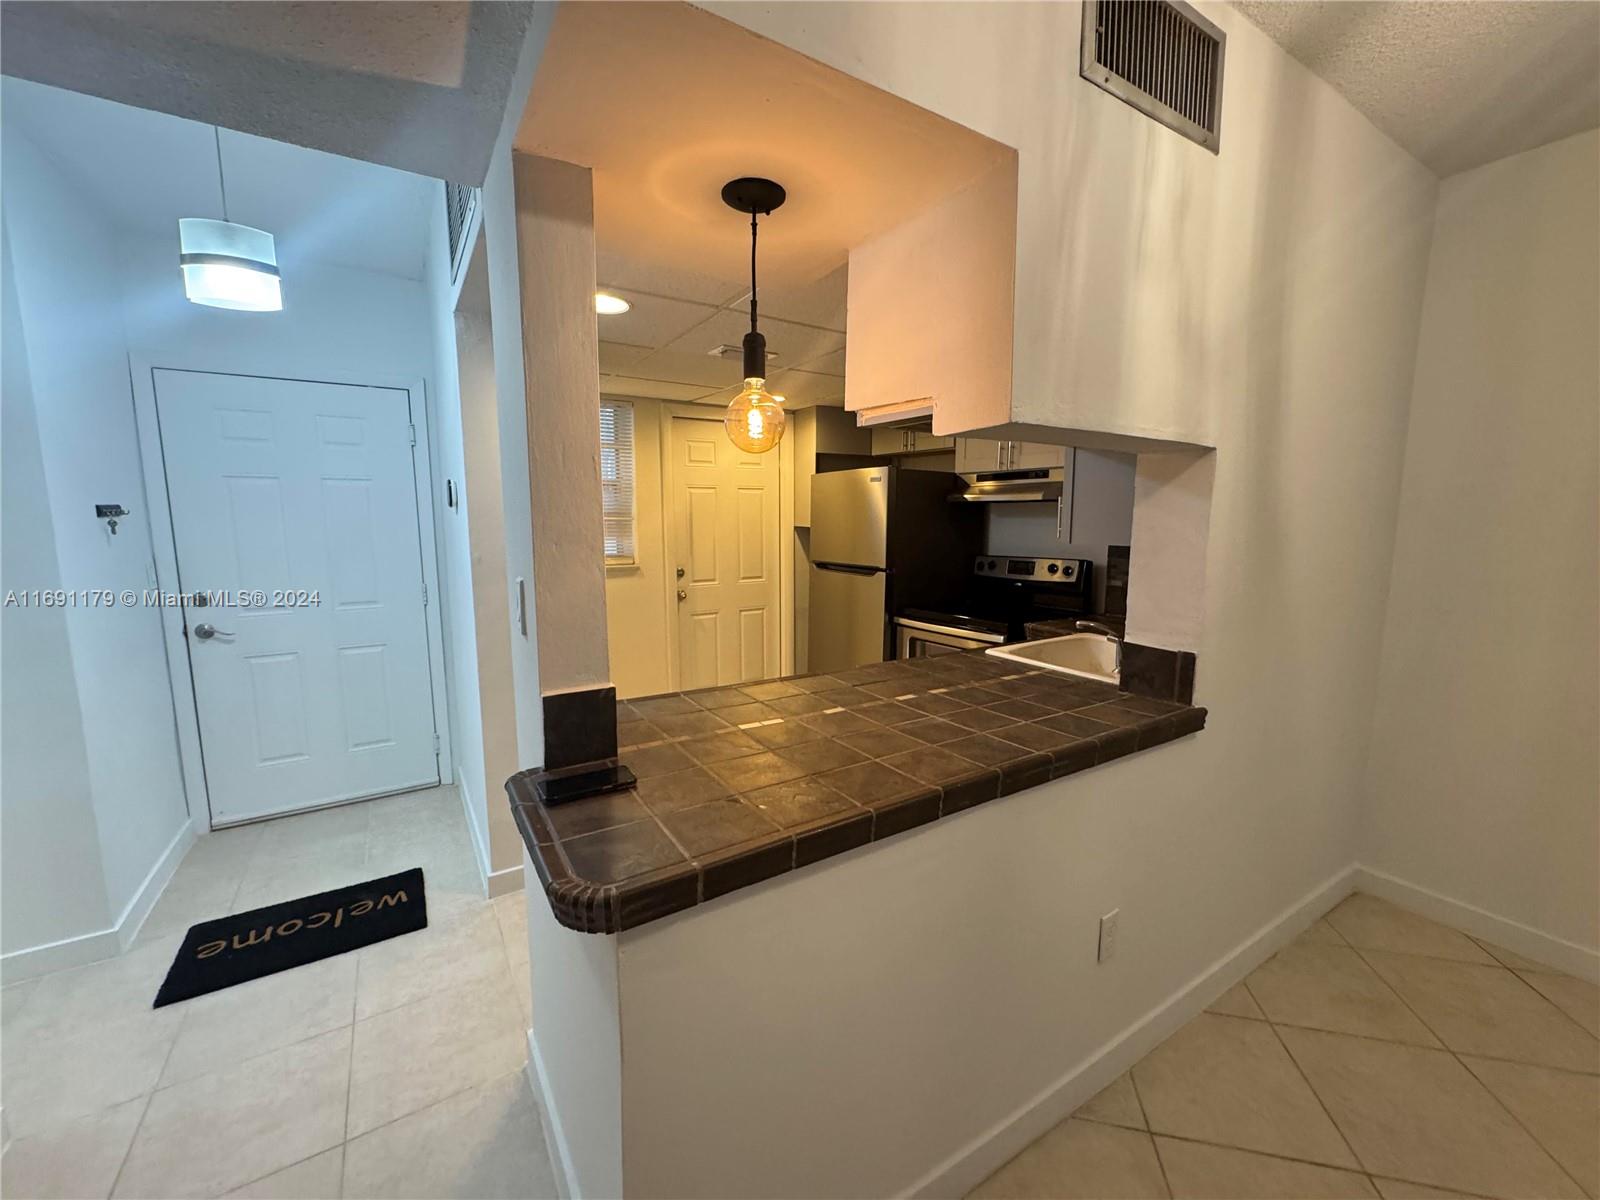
(1005, 593)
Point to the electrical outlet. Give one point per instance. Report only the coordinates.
(1108, 935)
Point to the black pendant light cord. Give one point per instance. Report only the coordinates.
(222, 180)
(752, 272)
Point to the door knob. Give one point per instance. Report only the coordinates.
(680, 572)
(206, 632)
(682, 595)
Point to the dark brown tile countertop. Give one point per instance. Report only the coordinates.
(739, 784)
(1050, 629)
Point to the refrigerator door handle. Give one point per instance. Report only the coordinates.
(849, 569)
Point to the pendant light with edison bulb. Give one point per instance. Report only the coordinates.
(755, 419)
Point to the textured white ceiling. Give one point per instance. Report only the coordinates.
(143, 170)
(419, 86)
(1458, 83)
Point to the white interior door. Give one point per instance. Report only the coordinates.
(723, 518)
(302, 493)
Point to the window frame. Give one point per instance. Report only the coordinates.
(628, 554)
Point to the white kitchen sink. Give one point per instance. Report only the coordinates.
(1087, 655)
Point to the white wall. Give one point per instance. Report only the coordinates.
(1260, 327)
(54, 888)
(63, 256)
(1484, 783)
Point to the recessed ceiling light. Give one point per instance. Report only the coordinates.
(608, 305)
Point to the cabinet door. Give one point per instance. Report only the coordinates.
(1031, 456)
(891, 441)
(979, 454)
(923, 442)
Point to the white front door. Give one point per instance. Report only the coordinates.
(723, 547)
(316, 688)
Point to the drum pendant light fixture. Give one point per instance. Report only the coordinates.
(755, 420)
(227, 265)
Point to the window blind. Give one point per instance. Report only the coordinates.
(616, 479)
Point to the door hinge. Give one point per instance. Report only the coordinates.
(424, 594)
(413, 429)
(436, 743)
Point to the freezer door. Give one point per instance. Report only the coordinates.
(847, 619)
(850, 517)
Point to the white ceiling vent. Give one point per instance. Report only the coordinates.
(459, 201)
(1160, 56)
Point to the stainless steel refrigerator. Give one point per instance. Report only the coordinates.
(883, 539)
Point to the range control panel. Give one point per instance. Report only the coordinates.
(1034, 570)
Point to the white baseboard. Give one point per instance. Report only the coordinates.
(87, 948)
(144, 899)
(554, 1137)
(1502, 931)
(978, 1159)
(503, 883)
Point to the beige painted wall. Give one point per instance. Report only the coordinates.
(1485, 773)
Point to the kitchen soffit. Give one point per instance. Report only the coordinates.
(640, 92)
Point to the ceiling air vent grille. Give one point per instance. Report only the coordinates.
(1162, 57)
(458, 203)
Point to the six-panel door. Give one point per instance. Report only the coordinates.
(304, 494)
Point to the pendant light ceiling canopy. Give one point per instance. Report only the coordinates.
(755, 420)
(227, 265)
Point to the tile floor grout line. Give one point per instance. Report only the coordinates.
(1306, 1162)
(183, 1019)
(1144, 1116)
(1451, 1051)
(1553, 1004)
(1321, 1103)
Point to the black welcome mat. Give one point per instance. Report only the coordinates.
(218, 954)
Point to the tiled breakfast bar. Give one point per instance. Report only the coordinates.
(740, 784)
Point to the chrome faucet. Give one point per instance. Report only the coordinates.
(1110, 634)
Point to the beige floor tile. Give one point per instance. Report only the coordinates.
(52, 1076)
(252, 1018)
(272, 881)
(434, 811)
(1578, 998)
(1115, 1104)
(1511, 958)
(77, 1159)
(1237, 1002)
(511, 910)
(1415, 1113)
(189, 900)
(1369, 923)
(314, 833)
(1200, 1172)
(12, 998)
(1079, 1159)
(1488, 1011)
(447, 864)
(452, 953)
(522, 996)
(116, 988)
(1228, 1080)
(1560, 1109)
(1330, 987)
(207, 1135)
(408, 1058)
(478, 1145)
(1321, 931)
(1399, 1189)
(315, 1178)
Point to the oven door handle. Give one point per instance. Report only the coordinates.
(977, 635)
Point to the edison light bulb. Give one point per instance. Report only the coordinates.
(755, 420)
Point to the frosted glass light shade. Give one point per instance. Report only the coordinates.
(229, 266)
(755, 420)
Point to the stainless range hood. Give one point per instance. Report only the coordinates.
(997, 487)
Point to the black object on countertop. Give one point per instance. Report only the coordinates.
(218, 954)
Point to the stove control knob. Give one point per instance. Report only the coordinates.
(1053, 568)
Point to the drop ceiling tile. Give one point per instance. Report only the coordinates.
(618, 356)
(820, 303)
(707, 370)
(653, 321)
(655, 389)
(828, 364)
(803, 389)
(657, 279)
(792, 343)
